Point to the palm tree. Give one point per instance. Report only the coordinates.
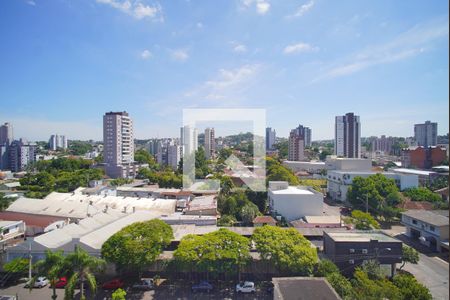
(52, 268)
(80, 266)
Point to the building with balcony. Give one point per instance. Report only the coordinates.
(349, 250)
(430, 228)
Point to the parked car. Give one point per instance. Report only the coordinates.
(202, 286)
(144, 284)
(269, 288)
(113, 284)
(40, 282)
(61, 283)
(246, 287)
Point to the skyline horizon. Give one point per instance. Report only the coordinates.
(65, 63)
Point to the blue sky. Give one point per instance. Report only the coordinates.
(64, 63)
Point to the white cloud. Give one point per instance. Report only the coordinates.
(239, 48)
(228, 84)
(146, 54)
(408, 44)
(299, 48)
(261, 6)
(303, 9)
(31, 2)
(136, 9)
(179, 54)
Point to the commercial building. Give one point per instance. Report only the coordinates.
(349, 250)
(425, 177)
(118, 143)
(431, 228)
(57, 142)
(294, 202)
(10, 230)
(189, 139)
(270, 138)
(259, 221)
(426, 134)
(6, 134)
(303, 288)
(297, 142)
(347, 137)
(338, 182)
(210, 143)
(21, 154)
(423, 157)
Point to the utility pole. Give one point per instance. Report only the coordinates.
(30, 263)
(367, 203)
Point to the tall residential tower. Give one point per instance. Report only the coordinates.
(118, 145)
(347, 136)
(210, 143)
(426, 134)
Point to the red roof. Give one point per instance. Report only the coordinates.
(417, 205)
(264, 220)
(29, 219)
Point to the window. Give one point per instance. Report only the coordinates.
(364, 251)
(351, 261)
(432, 228)
(352, 250)
(414, 222)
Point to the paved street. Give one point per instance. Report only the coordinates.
(431, 271)
(164, 292)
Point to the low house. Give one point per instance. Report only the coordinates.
(264, 220)
(318, 222)
(294, 202)
(431, 228)
(349, 250)
(303, 288)
(10, 230)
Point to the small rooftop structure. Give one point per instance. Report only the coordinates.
(264, 220)
(435, 218)
(413, 171)
(303, 288)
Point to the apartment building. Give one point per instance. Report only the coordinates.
(118, 141)
(297, 142)
(210, 143)
(270, 138)
(347, 138)
(426, 134)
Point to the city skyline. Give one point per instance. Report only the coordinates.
(65, 64)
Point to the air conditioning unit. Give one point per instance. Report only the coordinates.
(351, 261)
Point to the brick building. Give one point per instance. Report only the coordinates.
(422, 157)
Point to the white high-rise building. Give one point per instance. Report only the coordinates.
(6, 134)
(210, 143)
(21, 154)
(174, 153)
(347, 138)
(57, 142)
(270, 138)
(118, 144)
(189, 139)
(426, 134)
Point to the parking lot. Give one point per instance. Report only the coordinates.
(167, 290)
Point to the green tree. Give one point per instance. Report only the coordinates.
(137, 245)
(5, 201)
(286, 249)
(248, 212)
(52, 267)
(79, 147)
(410, 288)
(17, 267)
(366, 288)
(341, 285)
(372, 269)
(363, 221)
(282, 148)
(422, 194)
(217, 252)
(142, 156)
(325, 267)
(119, 294)
(374, 188)
(410, 255)
(323, 155)
(81, 268)
(277, 172)
(226, 220)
